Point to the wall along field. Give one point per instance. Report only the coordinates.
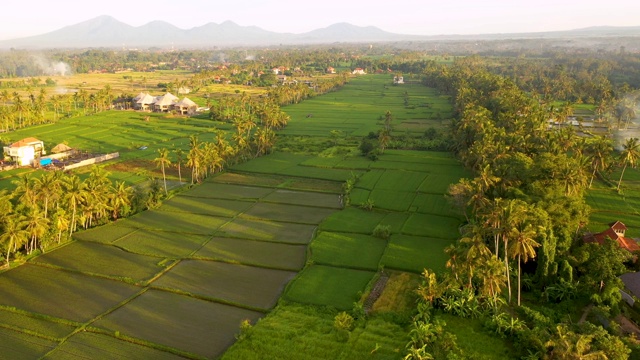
(192, 270)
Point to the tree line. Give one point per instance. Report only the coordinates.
(526, 214)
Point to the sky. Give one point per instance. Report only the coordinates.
(420, 17)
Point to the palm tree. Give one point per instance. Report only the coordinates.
(120, 196)
(513, 214)
(74, 195)
(179, 158)
(47, 187)
(523, 247)
(629, 156)
(599, 153)
(162, 161)
(36, 226)
(13, 235)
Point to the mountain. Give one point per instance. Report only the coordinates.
(107, 32)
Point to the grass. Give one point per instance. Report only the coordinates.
(99, 346)
(289, 213)
(248, 286)
(352, 220)
(399, 294)
(205, 206)
(303, 198)
(414, 254)
(393, 200)
(338, 249)
(287, 233)
(485, 345)
(253, 252)
(195, 326)
(401, 180)
(30, 323)
(228, 191)
(104, 234)
(432, 226)
(294, 331)
(161, 243)
(16, 345)
(329, 286)
(93, 258)
(48, 291)
(185, 223)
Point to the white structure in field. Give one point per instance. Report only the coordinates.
(25, 151)
(398, 79)
(358, 71)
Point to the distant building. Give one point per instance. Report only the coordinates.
(331, 70)
(25, 151)
(358, 71)
(398, 79)
(165, 102)
(184, 90)
(615, 232)
(185, 107)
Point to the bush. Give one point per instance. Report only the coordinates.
(382, 231)
(343, 321)
(245, 329)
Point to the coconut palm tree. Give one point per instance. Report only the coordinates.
(523, 247)
(163, 160)
(119, 197)
(629, 156)
(74, 196)
(46, 188)
(13, 235)
(36, 226)
(179, 158)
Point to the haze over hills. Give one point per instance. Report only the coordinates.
(107, 32)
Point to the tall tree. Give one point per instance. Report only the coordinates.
(163, 160)
(629, 156)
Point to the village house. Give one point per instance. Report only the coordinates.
(143, 102)
(615, 232)
(398, 79)
(358, 71)
(185, 107)
(331, 70)
(25, 151)
(165, 102)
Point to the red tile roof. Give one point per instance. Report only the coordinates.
(611, 234)
(24, 142)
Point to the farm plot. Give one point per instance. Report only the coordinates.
(299, 332)
(239, 285)
(93, 258)
(369, 179)
(352, 220)
(435, 204)
(87, 345)
(104, 234)
(34, 325)
(412, 253)
(228, 191)
(162, 243)
(432, 226)
(289, 213)
(205, 206)
(179, 322)
(288, 233)
(305, 198)
(393, 200)
(328, 285)
(338, 249)
(401, 180)
(439, 183)
(184, 223)
(254, 252)
(48, 291)
(17, 345)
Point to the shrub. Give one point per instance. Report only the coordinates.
(382, 231)
(245, 329)
(343, 321)
(367, 205)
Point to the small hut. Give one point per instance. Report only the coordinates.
(144, 103)
(185, 107)
(61, 148)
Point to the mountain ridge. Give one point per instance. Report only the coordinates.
(107, 32)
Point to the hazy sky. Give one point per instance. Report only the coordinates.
(424, 17)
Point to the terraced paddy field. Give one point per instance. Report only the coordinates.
(169, 283)
(608, 205)
(178, 281)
